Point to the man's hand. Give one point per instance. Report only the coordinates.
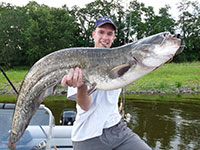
(73, 78)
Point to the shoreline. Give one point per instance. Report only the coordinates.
(185, 96)
(177, 91)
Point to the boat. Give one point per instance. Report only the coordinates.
(41, 133)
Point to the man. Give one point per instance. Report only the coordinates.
(98, 124)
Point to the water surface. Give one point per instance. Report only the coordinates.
(166, 125)
(171, 125)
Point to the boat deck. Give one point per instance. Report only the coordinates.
(41, 133)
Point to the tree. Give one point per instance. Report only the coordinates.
(47, 30)
(11, 26)
(189, 25)
(145, 22)
(164, 21)
(33, 31)
(86, 17)
(136, 14)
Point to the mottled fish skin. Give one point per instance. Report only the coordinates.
(104, 68)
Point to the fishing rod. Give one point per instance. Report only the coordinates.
(123, 92)
(9, 81)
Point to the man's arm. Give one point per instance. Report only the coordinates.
(83, 100)
(74, 79)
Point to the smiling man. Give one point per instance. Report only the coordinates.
(98, 124)
(104, 33)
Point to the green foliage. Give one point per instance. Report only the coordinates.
(48, 30)
(30, 32)
(163, 85)
(11, 24)
(189, 24)
(178, 84)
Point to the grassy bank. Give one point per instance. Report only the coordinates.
(16, 76)
(170, 78)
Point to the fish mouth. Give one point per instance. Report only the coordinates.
(181, 48)
(175, 37)
(182, 45)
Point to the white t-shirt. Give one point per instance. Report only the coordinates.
(103, 113)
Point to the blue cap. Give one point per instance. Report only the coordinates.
(104, 20)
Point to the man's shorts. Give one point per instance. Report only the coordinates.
(118, 137)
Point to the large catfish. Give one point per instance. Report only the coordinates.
(103, 69)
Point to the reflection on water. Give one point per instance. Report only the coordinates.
(167, 126)
(164, 125)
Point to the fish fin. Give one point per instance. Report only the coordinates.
(50, 90)
(92, 90)
(119, 71)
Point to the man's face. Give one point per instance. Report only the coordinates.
(104, 36)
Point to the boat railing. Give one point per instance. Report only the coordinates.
(41, 130)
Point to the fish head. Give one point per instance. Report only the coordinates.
(155, 50)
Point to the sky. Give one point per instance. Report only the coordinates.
(81, 3)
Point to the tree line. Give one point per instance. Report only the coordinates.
(30, 32)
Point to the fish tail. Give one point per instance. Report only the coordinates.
(11, 146)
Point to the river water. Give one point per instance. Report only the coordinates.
(167, 125)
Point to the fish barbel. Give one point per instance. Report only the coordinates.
(103, 69)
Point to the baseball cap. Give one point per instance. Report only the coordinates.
(104, 20)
